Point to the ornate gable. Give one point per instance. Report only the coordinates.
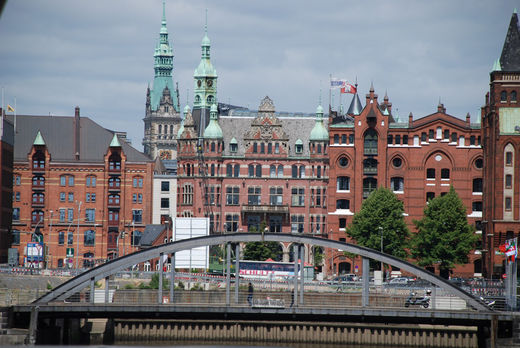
(266, 126)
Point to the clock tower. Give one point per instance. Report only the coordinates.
(205, 89)
(162, 119)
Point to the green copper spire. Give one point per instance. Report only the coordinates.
(205, 76)
(115, 141)
(496, 65)
(319, 132)
(39, 139)
(163, 67)
(213, 130)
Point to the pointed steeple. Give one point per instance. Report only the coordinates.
(213, 130)
(205, 76)
(38, 140)
(355, 105)
(163, 67)
(510, 57)
(115, 141)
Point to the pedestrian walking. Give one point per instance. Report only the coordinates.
(250, 294)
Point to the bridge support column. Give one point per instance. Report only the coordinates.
(366, 282)
(33, 326)
(237, 269)
(228, 273)
(159, 291)
(295, 279)
(92, 289)
(172, 278)
(302, 269)
(107, 281)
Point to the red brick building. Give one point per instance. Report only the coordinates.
(501, 143)
(417, 159)
(6, 184)
(79, 186)
(260, 167)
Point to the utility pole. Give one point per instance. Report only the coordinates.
(49, 239)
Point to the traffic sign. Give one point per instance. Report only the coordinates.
(70, 252)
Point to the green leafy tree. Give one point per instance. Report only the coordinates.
(261, 251)
(444, 236)
(381, 213)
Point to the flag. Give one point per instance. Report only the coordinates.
(511, 249)
(10, 108)
(348, 88)
(336, 83)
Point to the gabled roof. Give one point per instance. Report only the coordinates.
(510, 58)
(439, 116)
(58, 132)
(150, 234)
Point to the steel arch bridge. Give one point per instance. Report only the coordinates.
(103, 271)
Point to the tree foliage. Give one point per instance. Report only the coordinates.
(444, 236)
(380, 213)
(261, 251)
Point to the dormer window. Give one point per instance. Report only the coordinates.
(233, 145)
(299, 146)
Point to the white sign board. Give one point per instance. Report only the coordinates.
(185, 228)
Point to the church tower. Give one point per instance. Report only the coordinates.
(162, 119)
(501, 145)
(205, 90)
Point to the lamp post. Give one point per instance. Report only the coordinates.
(381, 231)
(77, 241)
(167, 222)
(50, 233)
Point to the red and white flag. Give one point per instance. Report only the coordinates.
(348, 88)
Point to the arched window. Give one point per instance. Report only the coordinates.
(114, 183)
(37, 217)
(513, 96)
(262, 148)
(90, 181)
(272, 171)
(38, 198)
(229, 170)
(212, 173)
(113, 199)
(212, 146)
(171, 129)
(114, 162)
(280, 171)
(236, 172)
(370, 142)
(270, 148)
(89, 238)
(251, 170)
(258, 170)
(503, 96)
(294, 171)
(369, 185)
(336, 138)
(136, 238)
(302, 172)
(160, 129)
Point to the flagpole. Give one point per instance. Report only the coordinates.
(330, 87)
(15, 108)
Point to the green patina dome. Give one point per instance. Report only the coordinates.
(319, 132)
(213, 130)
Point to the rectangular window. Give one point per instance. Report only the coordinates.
(275, 195)
(476, 206)
(134, 198)
(351, 138)
(343, 204)
(62, 196)
(232, 195)
(229, 170)
(90, 215)
(165, 202)
(405, 139)
(508, 203)
(165, 186)
(342, 223)
(16, 214)
(187, 194)
(137, 216)
(430, 173)
(233, 147)
(71, 180)
(61, 238)
(509, 158)
(70, 238)
(63, 180)
(276, 148)
(87, 197)
(343, 183)
(509, 181)
(232, 223)
(62, 215)
(430, 196)
(445, 173)
(70, 214)
(298, 196)
(398, 139)
(397, 184)
(253, 195)
(140, 198)
(71, 196)
(297, 223)
(318, 197)
(92, 197)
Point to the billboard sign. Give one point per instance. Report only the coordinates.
(185, 228)
(34, 252)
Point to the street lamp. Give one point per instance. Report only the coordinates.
(381, 231)
(50, 232)
(77, 243)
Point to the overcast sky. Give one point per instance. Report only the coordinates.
(98, 54)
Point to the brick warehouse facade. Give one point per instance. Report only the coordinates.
(6, 182)
(501, 143)
(69, 165)
(417, 159)
(260, 166)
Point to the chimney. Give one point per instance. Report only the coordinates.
(410, 120)
(76, 133)
(468, 119)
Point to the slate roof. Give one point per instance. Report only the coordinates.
(150, 234)
(296, 126)
(510, 57)
(58, 133)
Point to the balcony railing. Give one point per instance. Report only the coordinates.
(268, 209)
